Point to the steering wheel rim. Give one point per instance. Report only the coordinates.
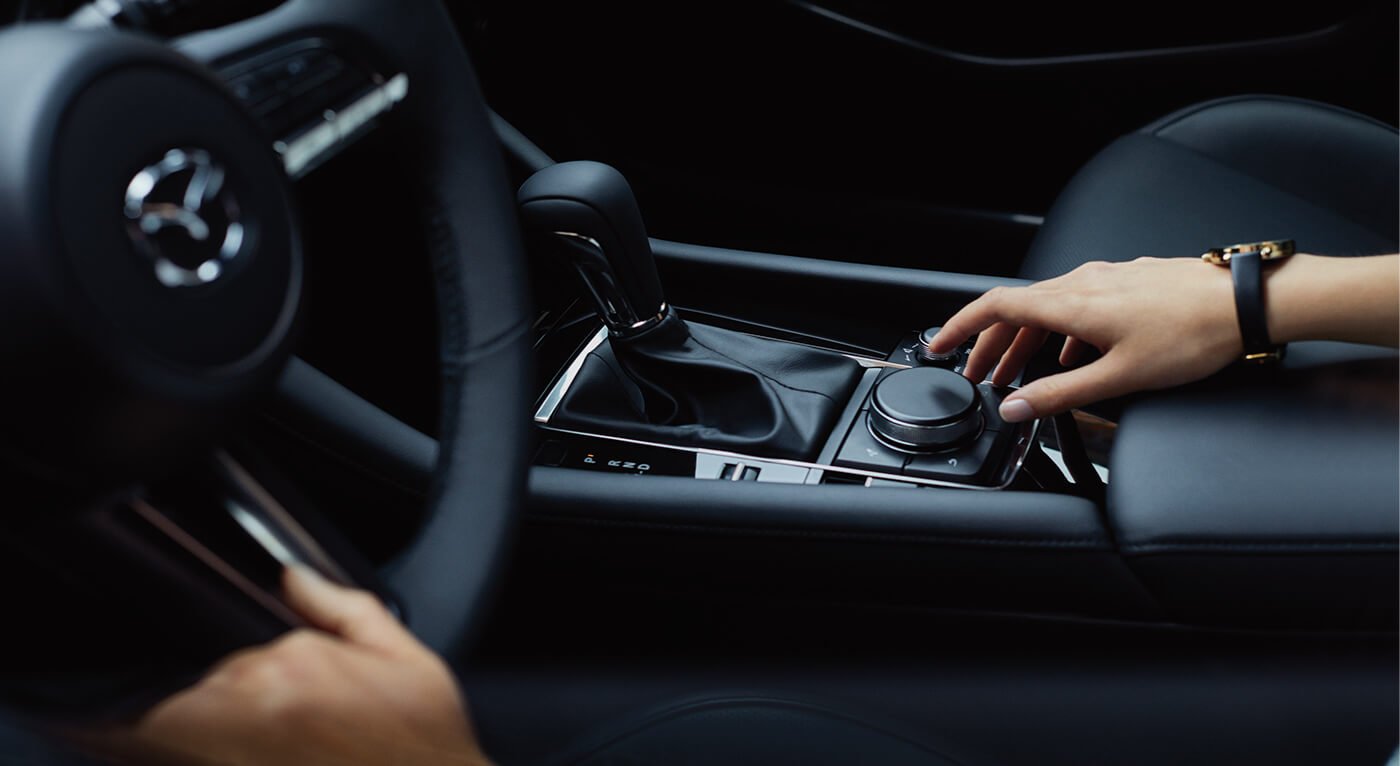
(442, 577)
(444, 574)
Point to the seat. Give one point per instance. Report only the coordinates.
(1237, 169)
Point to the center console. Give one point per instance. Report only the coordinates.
(650, 390)
(773, 427)
(902, 425)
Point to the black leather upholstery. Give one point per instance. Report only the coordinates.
(1239, 169)
(681, 383)
(757, 730)
(1284, 516)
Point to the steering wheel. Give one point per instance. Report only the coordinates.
(152, 270)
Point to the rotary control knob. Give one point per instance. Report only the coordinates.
(948, 360)
(925, 409)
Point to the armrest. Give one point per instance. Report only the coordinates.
(1266, 502)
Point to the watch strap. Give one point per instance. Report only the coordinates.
(1246, 264)
(1247, 271)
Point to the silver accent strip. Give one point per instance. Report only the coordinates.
(614, 305)
(98, 14)
(304, 153)
(868, 363)
(960, 428)
(561, 386)
(1022, 447)
(1058, 459)
(260, 532)
(176, 534)
(277, 520)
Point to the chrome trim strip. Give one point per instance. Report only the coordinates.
(177, 535)
(561, 386)
(613, 303)
(1022, 448)
(1058, 459)
(304, 153)
(913, 449)
(868, 363)
(278, 520)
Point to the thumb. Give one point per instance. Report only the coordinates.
(1103, 379)
(355, 615)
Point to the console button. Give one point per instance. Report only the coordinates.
(862, 450)
(738, 472)
(967, 465)
(947, 361)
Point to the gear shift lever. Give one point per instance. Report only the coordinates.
(590, 208)
(659, 378)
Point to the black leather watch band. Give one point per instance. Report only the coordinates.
(1247, 271)
(1246, 264)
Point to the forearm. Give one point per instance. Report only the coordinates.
(1311, 297)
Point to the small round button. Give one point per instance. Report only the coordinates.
(925, 409)
(926, 356)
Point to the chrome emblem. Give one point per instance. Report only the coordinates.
(181, 215)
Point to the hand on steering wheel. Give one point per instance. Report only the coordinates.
(358, 689)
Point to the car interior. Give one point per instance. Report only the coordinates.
(592, 338)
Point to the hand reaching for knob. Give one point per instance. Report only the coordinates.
(1162, 322)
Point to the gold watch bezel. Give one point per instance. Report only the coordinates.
(1268, 250)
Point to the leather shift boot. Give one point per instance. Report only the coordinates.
(702, 386)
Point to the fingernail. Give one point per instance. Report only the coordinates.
(1016, 410)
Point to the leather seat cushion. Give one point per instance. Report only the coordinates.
(1239, 169)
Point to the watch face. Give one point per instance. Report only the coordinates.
(1268, 250)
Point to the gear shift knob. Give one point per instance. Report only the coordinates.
(590, 210)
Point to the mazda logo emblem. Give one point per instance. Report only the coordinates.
(182, 216)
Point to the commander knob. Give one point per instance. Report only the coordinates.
(948, 359)
(925, 409)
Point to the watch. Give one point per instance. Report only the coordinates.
(1246, 264)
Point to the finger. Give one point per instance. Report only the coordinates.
(1103, 379)
(354, 615)
(1027, 342)
(1073, 352)
(991, 344)
(1012, 305)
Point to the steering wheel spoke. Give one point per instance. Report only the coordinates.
(242, 528)
(315, 97)
(153, 308)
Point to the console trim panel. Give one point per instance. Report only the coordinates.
(564, 382)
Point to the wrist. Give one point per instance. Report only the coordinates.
(1285, 289)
